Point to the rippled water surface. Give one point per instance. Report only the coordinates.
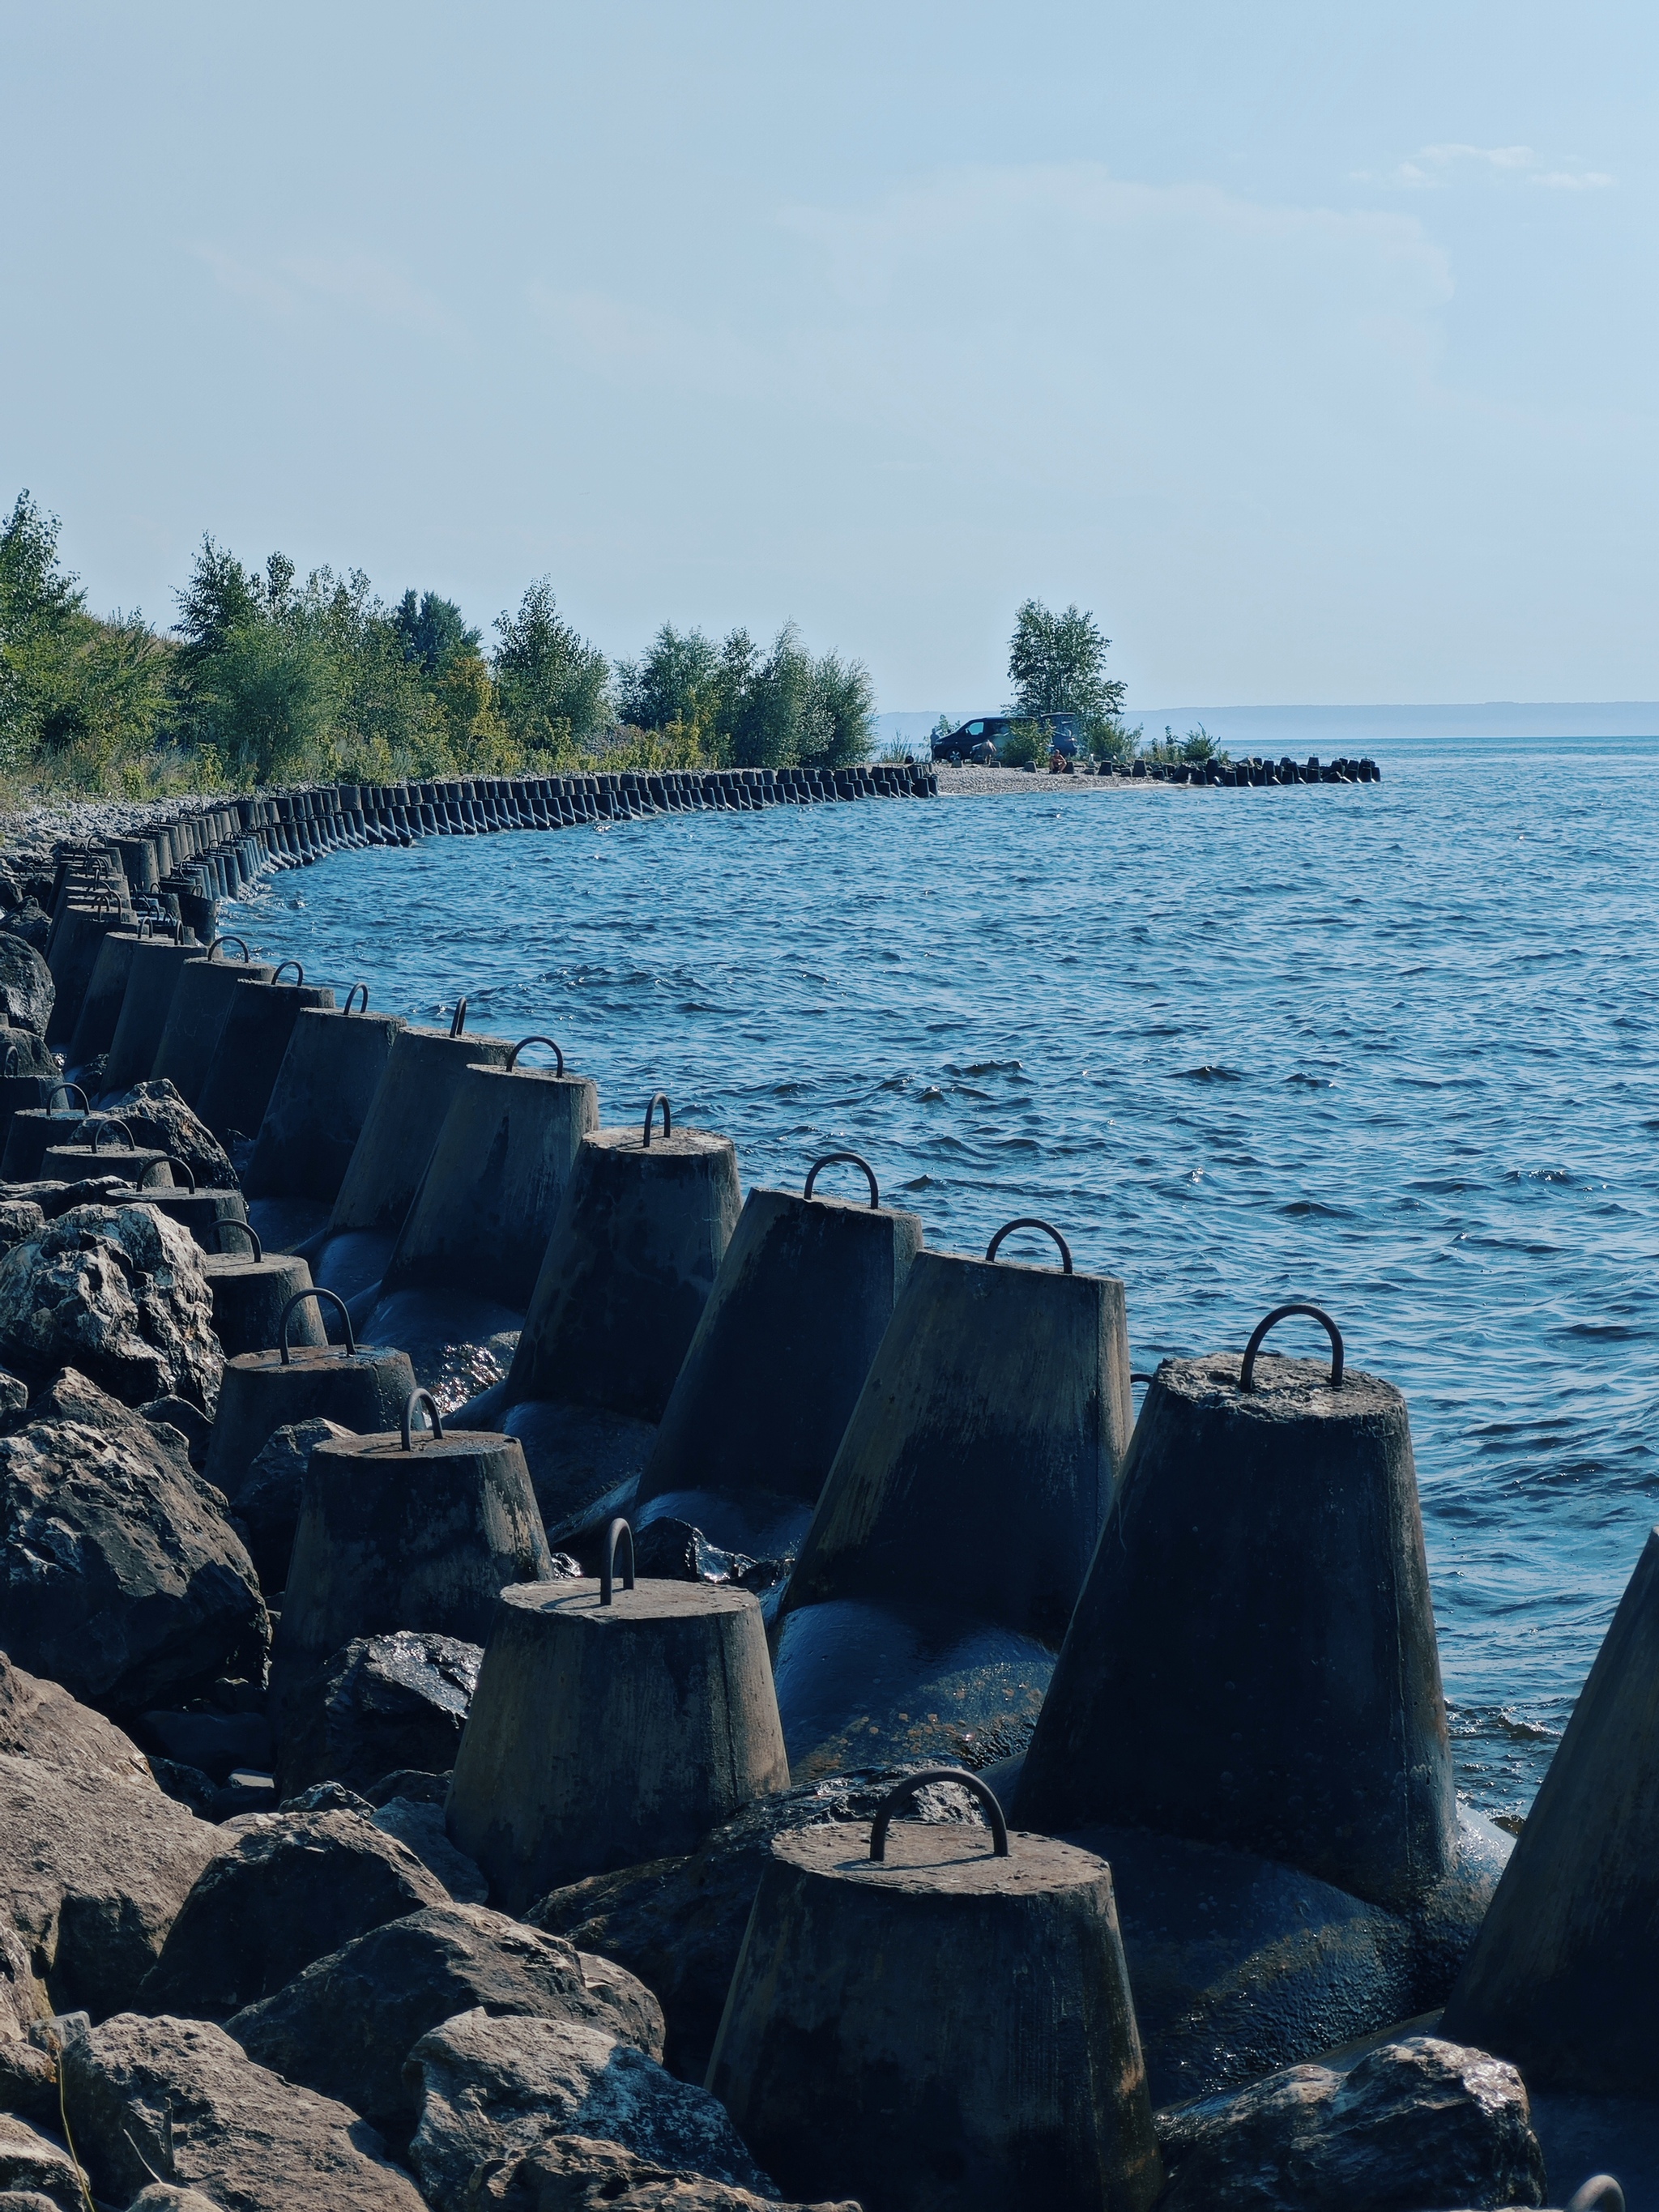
(1389, 1048)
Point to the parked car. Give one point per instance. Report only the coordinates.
(965, 743)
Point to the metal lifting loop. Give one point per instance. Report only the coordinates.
(829, 1160)
(299, 973)
(11, 1059)
(352, 994)
(242, 941)
(52, 1097)
(1601, 2193)
(299, 1298)
(183, 1167)
(513, 1057)
(1030, 1221)
(658, 1098)
(422, 1398)
(1247, 1372)
(895, 1801)
(459, 1022)
(102, 1122)
(247, 1229)
(613, 1536)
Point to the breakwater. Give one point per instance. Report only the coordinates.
(188, 861)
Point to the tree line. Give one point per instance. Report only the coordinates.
(267, 677)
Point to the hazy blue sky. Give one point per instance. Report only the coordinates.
(1313, 346)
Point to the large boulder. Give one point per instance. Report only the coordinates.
(495, 2088)
(178, 2098)
(348, 2023)
(120, 1576)
(32, 925)
(1415, 2123)
(381, 1703)
(573, 2173)
(120, 1292)
(159, 1117)
(28, 992)
(679, 1923)
(290, 1888)
(267, 1501)
(29, 2161)
(94, 1862)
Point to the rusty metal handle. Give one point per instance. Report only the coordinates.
(1247, 1371)
(459, 1022)
(298, 971)
(299, 1298)
(1601, 2193)
(352, 994)
(218, 941)
(248, 1231)
(102, 1122)
(1030, 1221)
(896, 1800)
(185, 1164)
(829, 1160)
(51, 1096)
(658, 1098)
(513, 1057)
(613, 1536)
(422, 1398)
(11, 1059)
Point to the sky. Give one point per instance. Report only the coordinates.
(1311, 346)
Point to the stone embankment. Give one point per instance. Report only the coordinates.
(530, 1678)
(955, 781)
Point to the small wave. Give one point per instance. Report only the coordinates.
(985, 1067)
(1312, 1082)
(1208, 1074)
(1299, 1209)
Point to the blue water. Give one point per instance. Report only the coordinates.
(1393, 1048)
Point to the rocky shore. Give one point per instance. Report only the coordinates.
(522, 1684)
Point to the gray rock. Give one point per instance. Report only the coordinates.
(120, 1576)
(120, 1292)
(162, 2196)
(185, 1420)
(31, 2200)
(20, 1219)
(215, 1743)
(573, 2173)
(347, 2024)
(382, 1702)
(420, 1827)
(182, 2095)
(267, 1500)
(158, 1117)
(495, 2088)
(1415, 2123)
(95, 1861)
(29, 2163)
(32, 924)
(679, 1923)
(290, 1888)
(28, 992)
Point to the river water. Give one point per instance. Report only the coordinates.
(1391, 1048)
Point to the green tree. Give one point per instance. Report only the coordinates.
(674, 684)
(1057, 664)
(433, 632)
(553, 687)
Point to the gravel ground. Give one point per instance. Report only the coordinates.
(970, 782)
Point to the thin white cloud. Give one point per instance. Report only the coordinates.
(1431, 169)
(282, 286)
(1563, 180)
(1498, 157)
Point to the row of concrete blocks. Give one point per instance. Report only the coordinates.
(217, 851)
(1259, 772)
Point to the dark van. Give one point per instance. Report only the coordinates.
(959, 744)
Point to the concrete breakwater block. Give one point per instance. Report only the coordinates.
(423, 1071)
(803, 1298)
(153, 978)
(251, 1293)
(633, 1257)
(610, 1726)
(1562, 1975)
(33, 1130)
(195, 1015)
(914, 2019)
(364, 1388)
(486, 1206)
(925, 1605)
(242, 1073)
(320, 1099)
(1252, 1659)
(106, 988)
(407, 1530)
